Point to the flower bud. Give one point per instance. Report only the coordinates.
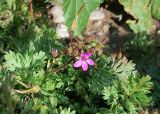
(92, 50)
(55, 53)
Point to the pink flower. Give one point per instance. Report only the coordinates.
(84, 61)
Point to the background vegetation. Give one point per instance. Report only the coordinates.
(33, 80)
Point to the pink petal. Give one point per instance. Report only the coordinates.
(90, 61)
(82, 55)
(87, 54)
(78, 63)
(84, 66)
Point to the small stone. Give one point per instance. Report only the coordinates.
(97, 23)
(62, 31)
(106, 28)
(57, 14)
(97, 15)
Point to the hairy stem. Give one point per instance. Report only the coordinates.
(71, 39)
(62, 66)
(31, 10)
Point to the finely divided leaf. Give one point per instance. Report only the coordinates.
(21, 61)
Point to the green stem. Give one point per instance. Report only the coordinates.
(2, 51)
(21, 83)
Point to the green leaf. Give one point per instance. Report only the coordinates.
(2, 5)
(67, 111)
(129, 96)
(156, 9)
(122, 67)
(24, 61)
(2, 77)
(141, 12)
(53, 101)
(80, 8)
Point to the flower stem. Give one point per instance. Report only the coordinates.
(71, 39)
(62, 66)
(31, 10)
(21, 83)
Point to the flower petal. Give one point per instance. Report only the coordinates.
(78, 63)
(84, 66)
(90, 61)
(87, 54)
(82, 55)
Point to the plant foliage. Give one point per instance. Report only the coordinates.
(155, 9)
(143, 18)
(37, 74)
(128, 97)
(76, 13)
